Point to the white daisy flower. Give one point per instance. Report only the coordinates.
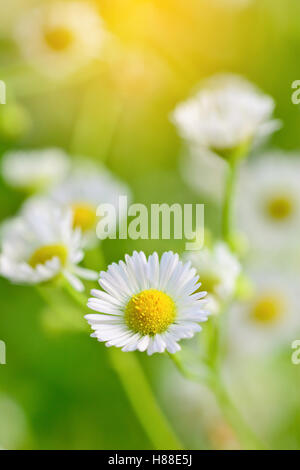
(33, 170)
(147, 304)
(40, 245)
(60, 37)
(270, 318)
(218, 270)
(268, 201)
(86, 188)
(226, 114)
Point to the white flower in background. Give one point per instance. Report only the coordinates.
(270, 319)
(86, 188)
(227, 113)
(204, 172)
(268, 201)
(147, 304)
(34, 170)
(40, 245)
(60, 37)
(218, 270)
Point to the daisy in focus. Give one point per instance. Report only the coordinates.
(228, 116)
(147, 304)
(218, 270)
(268, 201)
(60, 37)
(270, 318)
(35, 170)
(40, 245)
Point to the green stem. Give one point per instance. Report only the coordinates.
(63, 315)
(227, 219)
(142, 400)
(212, 380)
(78, 297)
(234, 418)
(138, 391)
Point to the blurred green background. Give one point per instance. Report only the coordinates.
(58, 390)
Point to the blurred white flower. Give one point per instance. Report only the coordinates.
(204, 172)
(34, 170)
(218, 270)
(268, 201)
(147, 304)
(82, 192)
(270, 318)
(60, 37)
(228, 113)
(40, 245)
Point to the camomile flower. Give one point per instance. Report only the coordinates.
(268, 201)
(147, 304)
(218, 270)
(60, 37)
(270, 318)
(83, 191)
(40, 245)
(33, 170)
(228, 115)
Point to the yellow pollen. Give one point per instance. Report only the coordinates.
(84, 216)
(47, 252)
(269, 308)
(150, 312)
(58, 38)
(280, 208)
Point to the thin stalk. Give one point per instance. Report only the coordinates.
(142, 400)
(78, 297)
(138, 391)
(227, 217)
(230, 412)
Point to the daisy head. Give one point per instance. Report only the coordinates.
(268, 201)
(82, 192)
(147, 304)
(218, 270)
(34, 170)
(228, 116)
(59, 37)
(41, 245)
(270, 317)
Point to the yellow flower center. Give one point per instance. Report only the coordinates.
(84, 216)
(58, 38)
(269, 308)
(47, 252)
(150, 312)
(280, 208)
